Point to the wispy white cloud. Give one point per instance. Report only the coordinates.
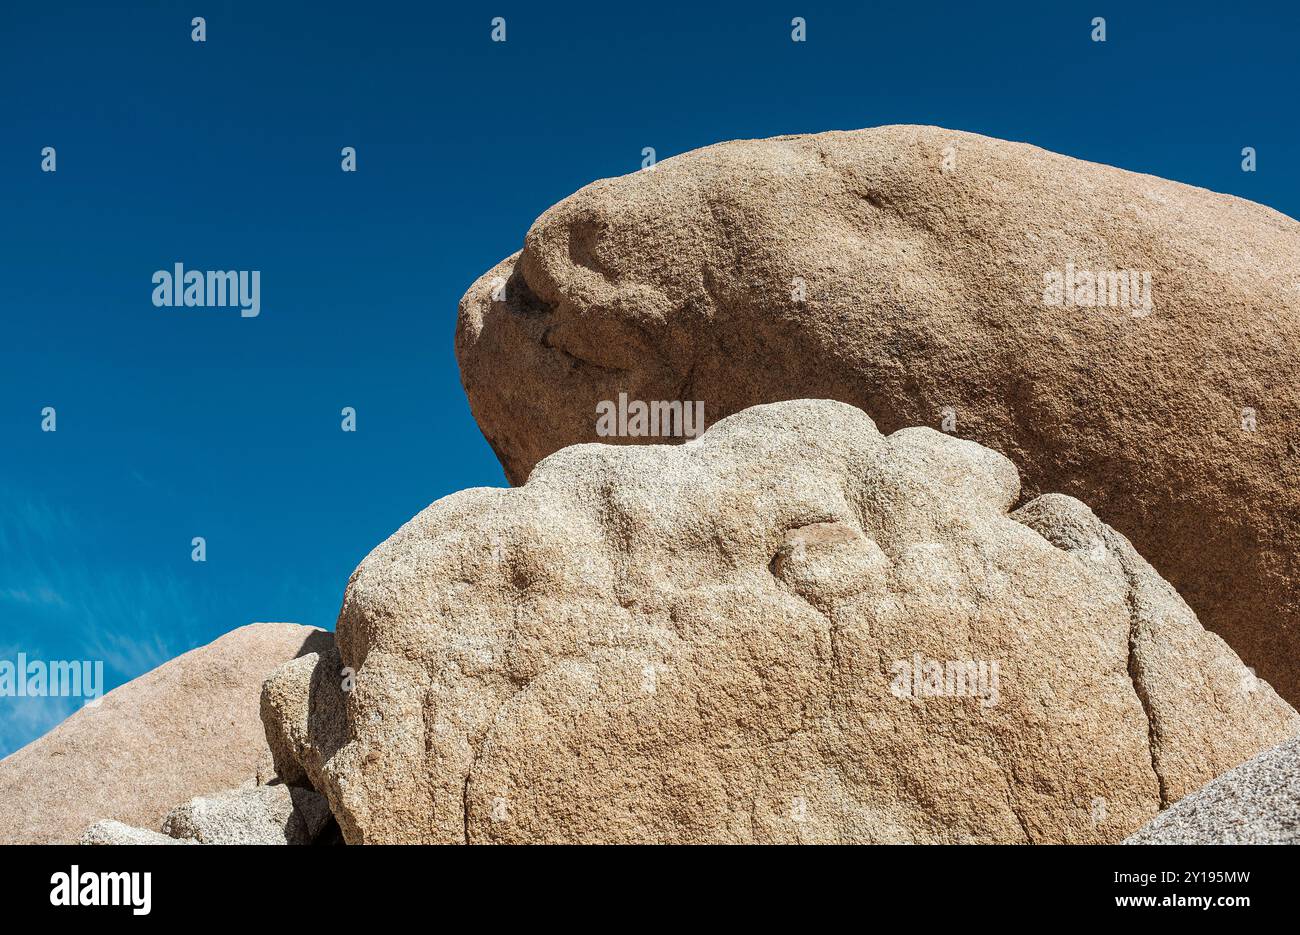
(65, 595)
(38, 596)
(29, 522)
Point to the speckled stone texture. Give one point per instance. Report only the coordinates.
(902, 269)
(111, 832)
(274, 814)
(270, 814)
(187, 728)
(1256, 803)
(708, 643)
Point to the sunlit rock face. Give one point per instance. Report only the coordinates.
(1127, 340)
(794, 628)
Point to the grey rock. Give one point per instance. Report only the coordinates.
(1256, 803)
(115, 832)
(273, 814)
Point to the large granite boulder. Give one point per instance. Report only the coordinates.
(1127, 340)
(793, 628)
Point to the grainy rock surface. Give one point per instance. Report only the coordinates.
(304, 713)
(718, 641)
(188, 727)
(271, 814)
(1256, 803)
(110, 832)
(904, 269)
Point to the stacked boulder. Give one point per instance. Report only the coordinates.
(1141, 359)
(818, 621)
(1127, 340)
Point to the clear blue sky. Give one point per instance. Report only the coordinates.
(175, 423)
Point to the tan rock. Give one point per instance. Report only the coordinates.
(922, 255)
(303, 711)
(188, 727)
(718, 642)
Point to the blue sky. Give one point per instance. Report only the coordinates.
(175, 423)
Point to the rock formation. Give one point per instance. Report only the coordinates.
(794, 628)
(1127, 340)
(1256, 803)
(187, 728)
